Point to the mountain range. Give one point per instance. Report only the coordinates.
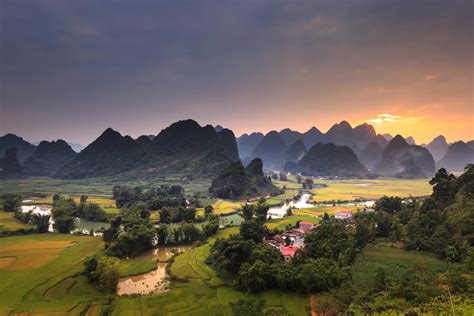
(187, 149)
(402, 160)
(184, 148)
(236, 181)
(48, 158)
(457, 157)
(329, 160)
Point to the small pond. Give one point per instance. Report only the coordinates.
(154, 281)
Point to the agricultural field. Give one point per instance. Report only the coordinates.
(393, 259)
(40, 275)
(9, 222)
(105, 202)
(221, 207)
(99, 186)
(356, 189)
(348, 190)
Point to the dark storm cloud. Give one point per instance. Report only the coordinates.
(72, 68)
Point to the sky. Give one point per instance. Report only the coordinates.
(70, 69)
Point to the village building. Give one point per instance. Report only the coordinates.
(343, 215)
(290, 241)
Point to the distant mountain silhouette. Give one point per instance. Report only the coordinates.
(235, 181)
(438, 147)
(9, 164)
(184, 148)
(290, 136)
(402, 160)
(459, 154)
(410, 140)
(271, 150)
(340, 134)
(76, 147)
(295, 152)
(470, 144)
(246, 143)
(363, 134)
(24, 148)
(329, 160)
(144, 140)
(372, 154)
(382, 141)
(111, 153)
(312, 137)
(48, 158)
(388, 136)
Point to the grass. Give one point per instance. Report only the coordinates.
(56, 287)
(281, 223)
(392, 259)
(9, 222)
(42, 261)
(136, 266)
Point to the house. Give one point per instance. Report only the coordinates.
(306, 226)
(343, 215)
(288, 252)
(272, 243)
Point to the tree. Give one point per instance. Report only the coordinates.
(252, 230)
(265, 253)
(64, 224)
(41, 222)
(229, 254)
(253, 277)
(456, 281)
(191, 233)
(380, 279)
(251, 307)
(136, 240)
(298, 178)
(102, 271)
(445, 188)
(261, 210)
(326, 217)
(247, 211)
(332, 241)
(208, 210)
(212, 227)
(11, 202)
(162, 233)
(392, 204)
(112, 233)
(308, 183)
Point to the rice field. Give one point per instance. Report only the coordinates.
(356, 189)
(9, 222)
(53, 285)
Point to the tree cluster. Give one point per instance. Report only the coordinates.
(257, 266)
(154, 198)
(102, 271)
(442, 223)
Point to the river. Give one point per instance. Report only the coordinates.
(280, 211)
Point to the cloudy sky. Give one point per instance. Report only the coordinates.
(70, 69)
